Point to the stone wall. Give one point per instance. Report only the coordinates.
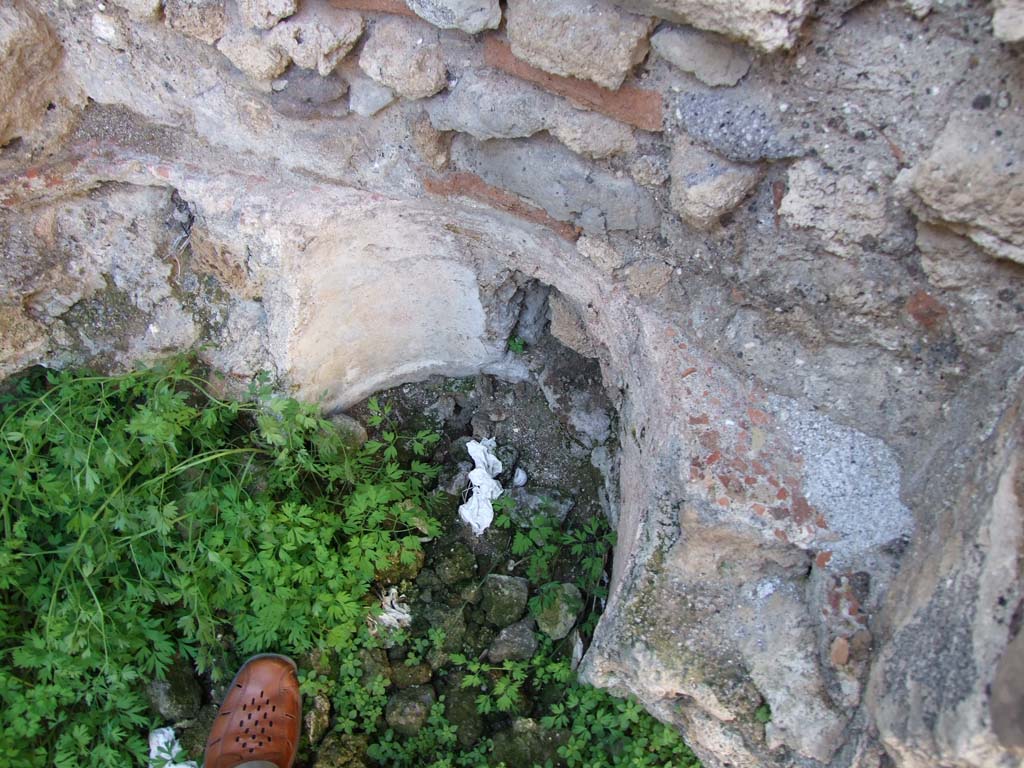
(792, 233)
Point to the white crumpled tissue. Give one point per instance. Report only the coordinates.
(478, 510)
(164, 748)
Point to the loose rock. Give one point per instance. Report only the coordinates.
(316, 718)
(514, 643)
(455, 563)
(408, 709)
(560, 614)
(588, 39)
(504, 599)
(366, 97)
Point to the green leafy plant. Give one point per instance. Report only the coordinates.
(517, 345)
(145, 519)
(763, 714)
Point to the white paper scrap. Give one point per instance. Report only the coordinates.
(478, 510)
(164, 749)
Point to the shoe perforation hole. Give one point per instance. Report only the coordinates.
(241, 723)
(273, 707)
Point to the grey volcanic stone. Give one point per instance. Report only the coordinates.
(455, 563)
(514, 643)
(504, 598)
(733, 125)
(565, 186)
(408, 709)
(470, 16)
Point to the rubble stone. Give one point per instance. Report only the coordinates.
(318, 37)
(711, 59)
(973, 182)
(264, 14)
(767, 24)
(203, 20)
(587, 39)
(405, 57)
(705, 187)
(141, 10)
(471, 16)
(253, 55)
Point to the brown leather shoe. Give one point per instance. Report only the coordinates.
(260, 718)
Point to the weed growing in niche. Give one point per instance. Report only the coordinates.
(148, 521)
(145, 519)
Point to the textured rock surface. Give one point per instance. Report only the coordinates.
(768, 24)
(318, 38)
(711, 59)
(29, 58)
(704, 186)
(809, 475)
(560, 183)
(973, 181)
(516, 642)
(1008, 20)
(254, 55)
(588, 39)
(405, 57)
(470, 16)
(264, 14)
(143, 10)
(489, 105)
(204, 20)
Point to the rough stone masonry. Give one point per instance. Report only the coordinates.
(791, 232)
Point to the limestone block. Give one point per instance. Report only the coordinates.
(578, 38)
(141, 10)
(558, 181)
(767, 24)
(1008, 20)
(920, 8)
(30, 54)
(973, 182)
(201, 19)
(711, 59)
(846, 210)
(318, 37)
(253, 55)
(490, 105)
(470, 16)
(704, 186)
(264, 14)
(405, 57)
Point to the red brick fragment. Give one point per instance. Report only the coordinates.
(822, 559)
(713, 458)
(688, 372)
(461, 184)
(782, 495)
(702, 419)
(634, 106)
(926, 310)
(396, 7)
(760, 418)
(781, 535)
